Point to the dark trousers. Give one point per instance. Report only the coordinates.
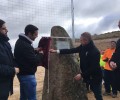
(108, 77)
(116, 79)
(97, 89)
(4, 90)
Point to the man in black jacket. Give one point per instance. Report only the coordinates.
(7, 70)
(89, 63)
(115, 65)
(27, 59)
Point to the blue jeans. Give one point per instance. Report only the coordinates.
(27, 87)
(97, 90)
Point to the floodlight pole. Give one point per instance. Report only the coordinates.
(72, 15)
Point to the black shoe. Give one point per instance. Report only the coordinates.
(114, 95)
(106, 93)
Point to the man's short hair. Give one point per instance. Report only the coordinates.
(87, 36)
(1, 23)
(113, 42)
(30, 29)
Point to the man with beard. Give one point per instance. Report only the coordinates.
(7, 70)
(27, 59)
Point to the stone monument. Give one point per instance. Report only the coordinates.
(59, 83)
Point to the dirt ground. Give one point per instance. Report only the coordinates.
(40, 78)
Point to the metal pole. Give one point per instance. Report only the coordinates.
(72, 14)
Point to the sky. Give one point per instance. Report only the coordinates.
(94, 16)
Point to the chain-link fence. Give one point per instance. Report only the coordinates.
(43, 13)
(94, 16)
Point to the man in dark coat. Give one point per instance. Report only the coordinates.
(27, 59)
(89, 63)
(7, 70)
(115, 65)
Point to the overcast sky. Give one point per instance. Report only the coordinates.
(94, 16)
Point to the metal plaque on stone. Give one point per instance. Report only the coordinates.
(62, 44)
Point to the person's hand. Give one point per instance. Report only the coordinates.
(53, 51)
(37, 49)
(17, 70)
(78, 77)
(113, 65)
(41, 52)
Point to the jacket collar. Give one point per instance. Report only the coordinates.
(89, 45)
(3, 38)
(23, 36)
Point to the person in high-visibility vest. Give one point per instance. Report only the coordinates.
(108, 71)
(102, 65)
